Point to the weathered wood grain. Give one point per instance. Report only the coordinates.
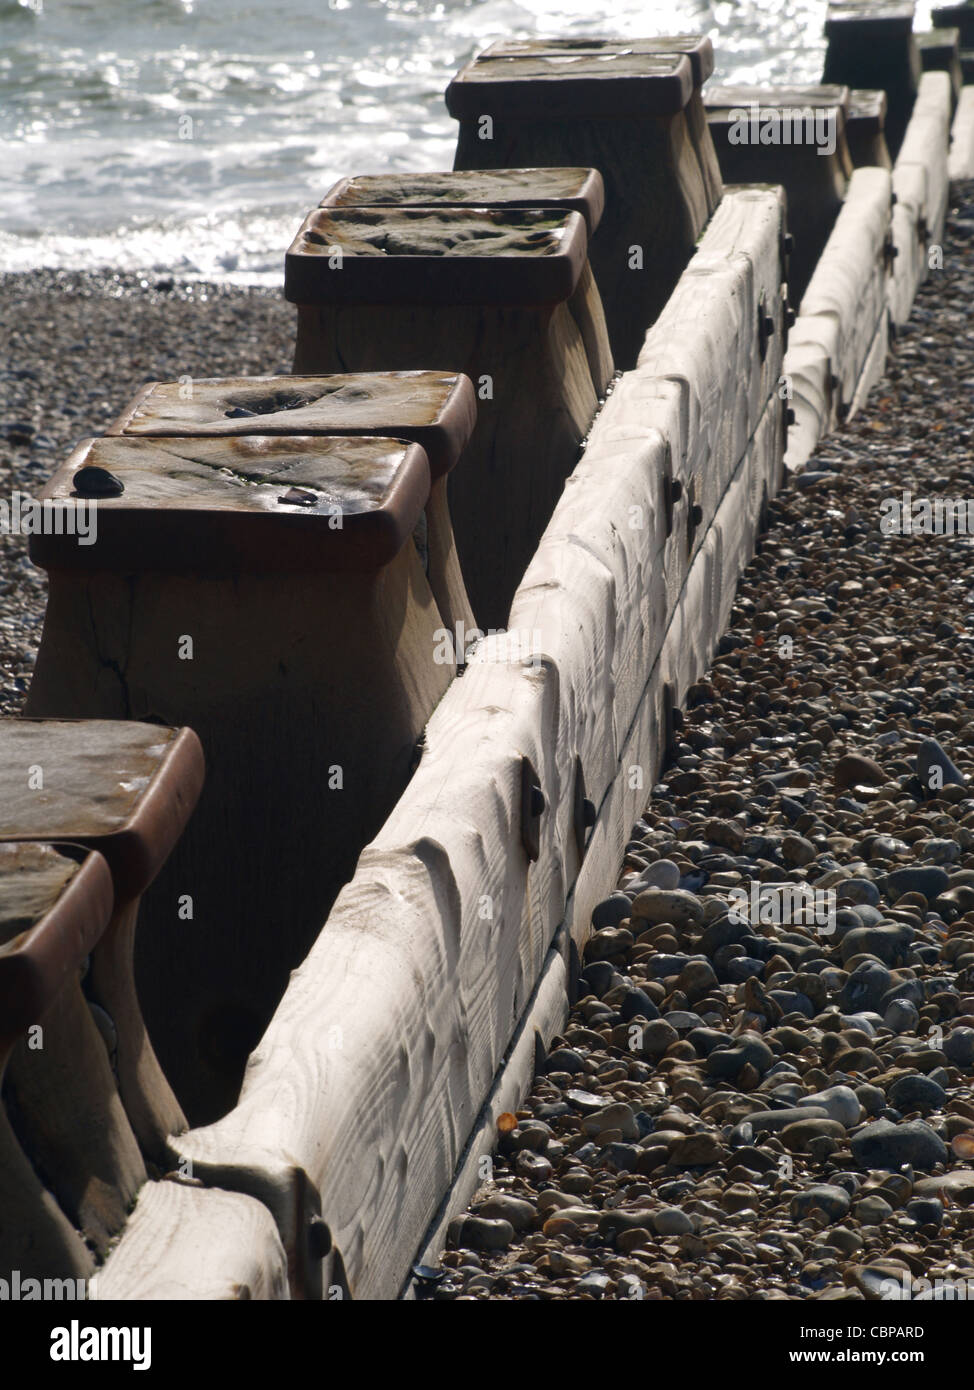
(53, 909)
(186, 1242)
(543, 1017)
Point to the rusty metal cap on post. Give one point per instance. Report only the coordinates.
(123, 788)
(54, 906)
(430, 256)
(241, 504)
(576, 190)
(537, 81)
(437, 410)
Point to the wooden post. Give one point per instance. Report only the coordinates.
(436, 410)
(871, 44)
(54, 907)
(940, 51)
(866, 129)
(619, 107)
(267, 592)
(126, 790)
(575, 190)
(960, 17)
(793, 136)
(481, 291)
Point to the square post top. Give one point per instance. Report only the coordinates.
(856, 19)
(696, 47)
(577, 190)
(244, 503)
(566, 84)
(437, 410)
(867, 109)
(122, 788)
(818, 95)
(436, 256)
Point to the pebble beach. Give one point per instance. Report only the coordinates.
(748, 1103)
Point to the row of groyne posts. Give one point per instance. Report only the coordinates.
(548, 394)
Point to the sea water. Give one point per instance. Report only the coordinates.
(192, 136)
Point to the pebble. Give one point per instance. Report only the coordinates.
(611, 911)
(901, 1016)
(833, 1202)
(917, 879)
(671, 1221)
(838, 1102)
(480, 1233)
(675, 906)
(883, 1144)
(934, 767)
(916, 1093)
(503, 1207)
(663, 874)
(959, 1047)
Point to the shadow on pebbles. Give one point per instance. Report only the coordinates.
(765, 1089)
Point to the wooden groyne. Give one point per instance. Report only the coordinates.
(371, 922)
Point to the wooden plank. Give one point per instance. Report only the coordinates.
(910, 265)
(699, 618)
(961, 159)
(544, 1017)
(188, 1242)
(812, 348)
(743, 244)
(925, 144)
(849, 284)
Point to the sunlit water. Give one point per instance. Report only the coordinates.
(191, 136)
